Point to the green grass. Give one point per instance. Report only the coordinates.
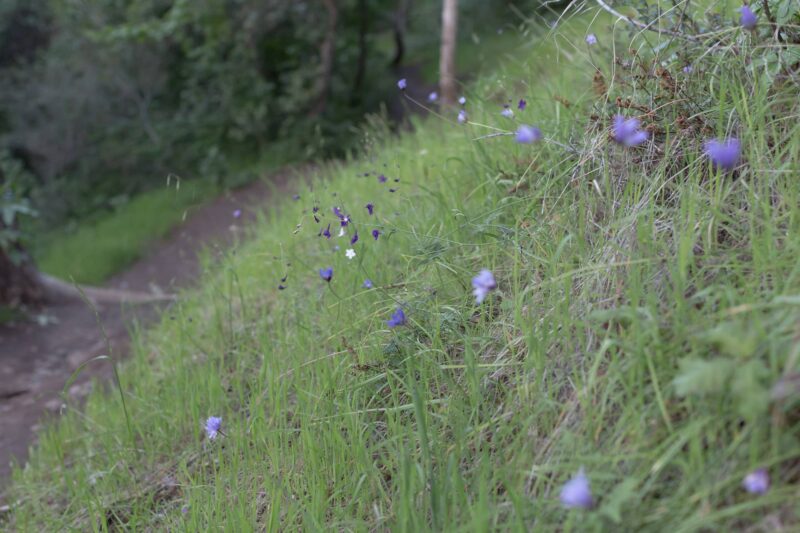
(98, 249)
(647, 307)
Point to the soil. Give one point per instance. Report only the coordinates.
(38, 358)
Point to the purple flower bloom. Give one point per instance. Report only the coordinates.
(281, 287)
(376, 234)
(757, 481)
(402, 84)
(688, 69)
(392, 190)
(522, 104)
(506, 112)
(748, 18)
(462, 116)
(337, 212)
(237, 213)
(528, 134)
(345, 220)
(483, 284)
(370, 208)
(576, 492)
(462, 100)
(591, 39)
(627, 132)
(327, 232)
(213, 426)
(724, 154)
(367, 283)
(326, 273)
(398, 318)
(433, 96)
(185, 509)
(296, 197)
(382, 179)
(354, 239)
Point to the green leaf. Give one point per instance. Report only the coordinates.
(699, 377)
(621, 495)
(752, 395)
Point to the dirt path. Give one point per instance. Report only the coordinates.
(36, 360)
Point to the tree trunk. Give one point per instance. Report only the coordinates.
(400, 27)
(326, 53)
(19, 285)
(363, 51)
(447, 54)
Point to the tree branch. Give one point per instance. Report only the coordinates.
(643, 26)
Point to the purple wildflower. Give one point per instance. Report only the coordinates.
(296, 197)
(370, 208)
(327, 232)
(376, 234)
(213, 427)
(627, 132)
(433, 96)
(591, 39)
(382, 179)
(528, 134)
(757, 481)
(462, 100)
(392, 190)
(354, 239)
(398, 318)
(506, 112)
(337, 212)
(237, 213)
(367, 283)
(576, 492)
(326, 273)
(402, 84)
(483, 284)
(522, 104)
(688, 69)
(185, 509)
(281, 287)
(344, 221)
(748, 19)
(724, 154)
(462, 116)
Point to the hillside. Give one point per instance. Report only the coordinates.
(639, 325)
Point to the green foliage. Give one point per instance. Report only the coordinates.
(13, 205)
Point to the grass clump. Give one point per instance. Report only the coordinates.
(643, 328)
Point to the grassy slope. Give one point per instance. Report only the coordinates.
(615, 277)
(96, 251)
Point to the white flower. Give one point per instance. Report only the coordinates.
(341, 232)
(350, 253)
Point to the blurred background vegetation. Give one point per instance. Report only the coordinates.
(100, 101)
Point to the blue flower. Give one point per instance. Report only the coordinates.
(483, 284)
(576, 492)
(688, 69)
(367, 283)
(370, 208)
(507, 112)
(327, 232)
(354, 239)
(382, 179)
(237, 213)
(296, 197)
(213, 427)
(528, 134)
(724, 154)
(462, 100)
(591, 39)
(748, 18)
(627, 132)
(281, 287)
(376, 234)
(522, 104)
(757, 481)
(433, 96)
(402, 84)
(326, 273)
(462, 116)
(398, 318)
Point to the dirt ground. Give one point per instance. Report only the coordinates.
(37, 360)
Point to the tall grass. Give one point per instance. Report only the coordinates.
(644, 328)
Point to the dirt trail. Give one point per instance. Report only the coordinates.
(36, 360)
